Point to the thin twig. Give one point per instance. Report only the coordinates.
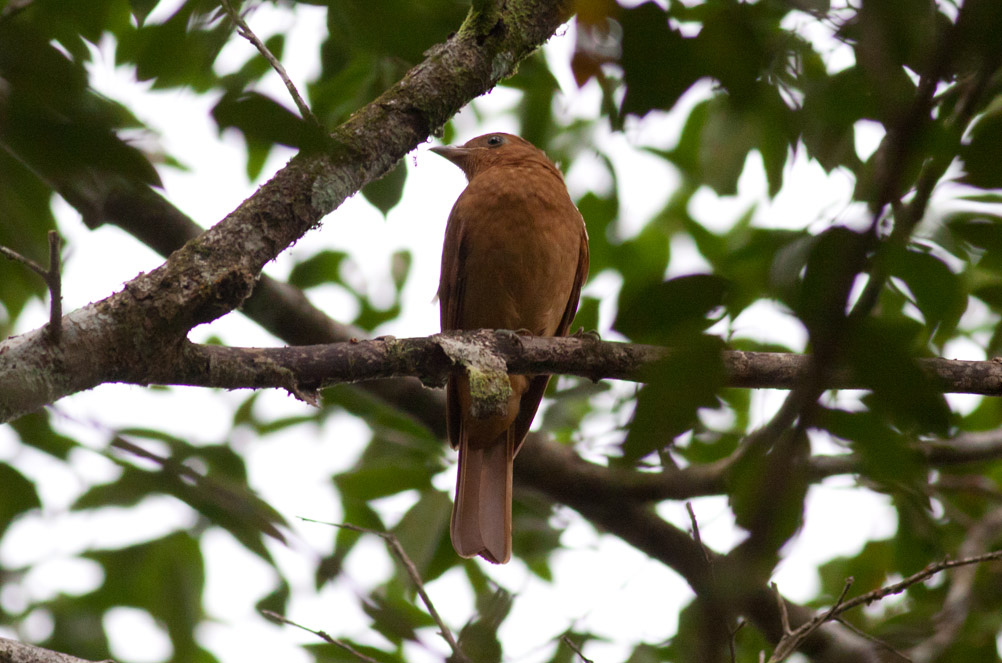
(787, 645)
(784, 614)
(731, 640)
(401, 555)
(28, 262)
(875, 640)
(957, 605)
(53, 281)
(244, 31)
(696, 536)
(574, 648)
(321, 634)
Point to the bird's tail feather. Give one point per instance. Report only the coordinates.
(481, 517)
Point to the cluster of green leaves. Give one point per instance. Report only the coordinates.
(773, 94)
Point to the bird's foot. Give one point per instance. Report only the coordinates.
(513, 336)
(590, 334)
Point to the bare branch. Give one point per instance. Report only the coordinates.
(877, 641)
(244, 31)
(53, 280)
(322, 635)
(789, 644)
(958, 598)
(791, 640)
(696, 536)
(574, 648)
(783, 612)
(10, 254)
(398, 551)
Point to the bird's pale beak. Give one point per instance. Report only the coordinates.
(455, 154)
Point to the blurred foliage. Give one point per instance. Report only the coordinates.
(763, 83)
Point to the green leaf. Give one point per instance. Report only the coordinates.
(736, 42)
(356, 512)
(680, 384)
(379, 480)
(686, 154)
(727, 138)
(675, 307)
(869, 570)
(534, 539)
(887, 456)
(164, 577)
(385, 193)
(142, 8)
(423, 533)
(938, 292)
(832, 106)
(983, 152)
(819, 296)
(400, 267)
(479, 638)
(981, 235)
(649, 45)
(320, 268)
(27, 216)
(395, 618)
(881, 355)
(220, 495)
(539, 88)
(35, 430)
(276, 601)
(17, 496)
(408, 432)
(264, 120)
(599, 214)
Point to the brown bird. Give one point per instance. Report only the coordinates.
(515, 257)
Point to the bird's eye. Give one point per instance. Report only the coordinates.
(494, 141)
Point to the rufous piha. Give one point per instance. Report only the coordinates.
(515, 257)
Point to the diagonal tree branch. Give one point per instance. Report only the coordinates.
(215, 272)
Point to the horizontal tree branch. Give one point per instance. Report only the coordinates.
(428, 358)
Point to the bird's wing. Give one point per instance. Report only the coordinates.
(579, 280)
(453, 276)
(537, 385)
(450, 297)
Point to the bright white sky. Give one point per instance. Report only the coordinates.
(601, 585)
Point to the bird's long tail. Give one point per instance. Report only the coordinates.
(481, 517)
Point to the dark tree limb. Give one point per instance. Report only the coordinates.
(311, 367)
(555, 472)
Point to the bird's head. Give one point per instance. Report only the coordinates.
(491, 150)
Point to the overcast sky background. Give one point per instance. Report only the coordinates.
(601, 584)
